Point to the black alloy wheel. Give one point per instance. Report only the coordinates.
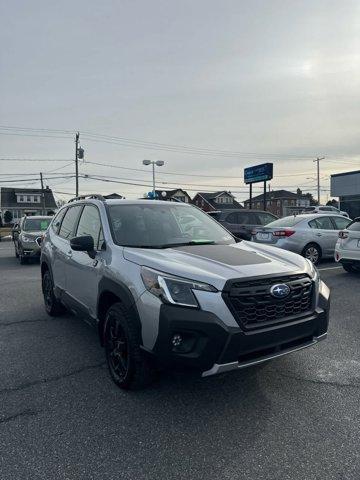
(52, 306)
(128, 366)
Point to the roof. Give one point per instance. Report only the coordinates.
(312, 216)
(276, 195)
(211, 196)
(345, 173)
(170, 193)
(8, 198)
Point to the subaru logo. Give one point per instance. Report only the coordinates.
(281, 290)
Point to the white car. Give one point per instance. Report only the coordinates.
(347, 250)
(325, 209)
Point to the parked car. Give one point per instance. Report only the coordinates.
(347, 250)
(167, 296)
(241, 222)
(312, 236)
(324, 209)
(27, 235)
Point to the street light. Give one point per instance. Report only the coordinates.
(158, 163)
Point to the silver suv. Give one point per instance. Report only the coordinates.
(168, 287)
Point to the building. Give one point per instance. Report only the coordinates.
(281, 202)
(210, 201)
(25, 201)
(177, 194)
(346, 186)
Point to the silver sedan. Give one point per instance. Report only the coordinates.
(313, 236)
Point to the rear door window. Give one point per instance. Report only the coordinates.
(322, 223)
(340, 222)
(69, 222)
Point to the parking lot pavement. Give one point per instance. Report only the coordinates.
(62, 417)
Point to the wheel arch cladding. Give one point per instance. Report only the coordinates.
(111, 292)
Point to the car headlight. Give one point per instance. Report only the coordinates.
(314, 272)
(171, 289)
(27, 238)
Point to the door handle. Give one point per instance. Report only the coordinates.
(319, 234)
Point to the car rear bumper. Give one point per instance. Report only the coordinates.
(210, 347)
(347, 256)
(284, 243)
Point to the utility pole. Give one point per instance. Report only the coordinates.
(318, 177)
(42, 193)
(77, 164)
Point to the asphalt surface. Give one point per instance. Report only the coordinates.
(61, 416)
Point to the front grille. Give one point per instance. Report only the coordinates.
(254, 307)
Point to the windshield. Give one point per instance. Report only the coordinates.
(285, 222)
(161, 226)
(36, 224)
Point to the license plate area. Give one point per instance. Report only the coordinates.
(263, 236)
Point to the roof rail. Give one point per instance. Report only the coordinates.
(96, 196)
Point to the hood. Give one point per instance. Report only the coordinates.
(215, 264)
(34, 235)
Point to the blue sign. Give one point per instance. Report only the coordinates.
(258, 173)
(151, 195)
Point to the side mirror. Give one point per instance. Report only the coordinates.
(84, 243)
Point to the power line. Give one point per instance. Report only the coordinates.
(130, 142)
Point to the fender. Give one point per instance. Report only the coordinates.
(121, 291)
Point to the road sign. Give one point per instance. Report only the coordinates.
(258, 173)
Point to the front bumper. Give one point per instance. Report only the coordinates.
(30, 249)
(211, 347)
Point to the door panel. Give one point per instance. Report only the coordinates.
(324, 234)
(62, 245)
(84, 273)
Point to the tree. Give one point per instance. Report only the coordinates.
(333, 203)
(8, 216)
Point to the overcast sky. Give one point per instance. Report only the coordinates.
(265, 80)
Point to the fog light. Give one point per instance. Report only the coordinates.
(176, 340)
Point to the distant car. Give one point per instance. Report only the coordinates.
(347, 250)
(325, 209)
(27, 236)
(313, 236)
(241, 222)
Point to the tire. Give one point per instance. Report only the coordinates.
(312, 252)
(350, 268)
(22, 259)
(52, 306)
(128, 366)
